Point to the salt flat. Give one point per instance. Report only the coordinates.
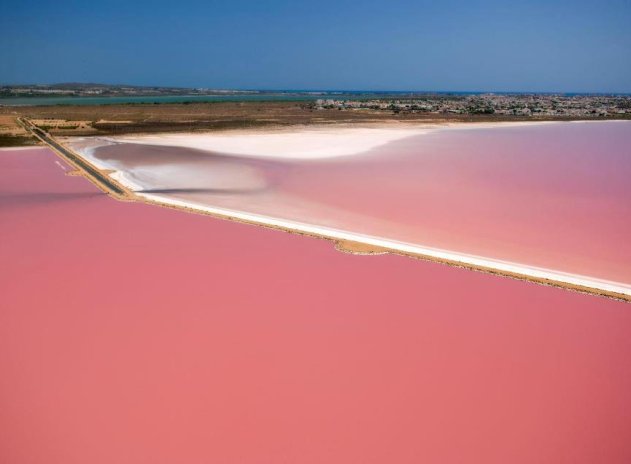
(304, 144)
(316, 142)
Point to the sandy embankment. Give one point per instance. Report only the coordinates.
(28, 147)
(540, 275)
(311, 144)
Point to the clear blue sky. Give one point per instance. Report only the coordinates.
(505, 45)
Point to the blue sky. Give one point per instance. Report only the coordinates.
(397, 44)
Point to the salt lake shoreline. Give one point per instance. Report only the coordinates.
(535, 274)
(287, 143)
(515, 270)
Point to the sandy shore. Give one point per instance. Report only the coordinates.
(27, 147)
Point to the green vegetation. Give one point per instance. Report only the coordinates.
(172, 126)
(7, 140)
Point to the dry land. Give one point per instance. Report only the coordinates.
(65, 120)
(12, 134)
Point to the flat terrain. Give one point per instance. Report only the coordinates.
(131, 333)
(146, 118)
(13, 134)
(552, 199)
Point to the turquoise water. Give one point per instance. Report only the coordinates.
(36, 101)
(39, 101)
(264, 96)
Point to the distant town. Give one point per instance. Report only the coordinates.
(535, 105)
(99, 109)
(442, 104)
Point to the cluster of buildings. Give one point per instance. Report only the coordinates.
(543, 105)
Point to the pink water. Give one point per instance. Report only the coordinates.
(137, 334)
(556, 196)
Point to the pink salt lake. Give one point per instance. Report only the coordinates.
(554, 196)
(131, 333)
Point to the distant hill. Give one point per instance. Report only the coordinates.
(92, 89)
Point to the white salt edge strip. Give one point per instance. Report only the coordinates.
(465, 259)
(319, 142)
(305, 144)
(118, 175)
(28, 147)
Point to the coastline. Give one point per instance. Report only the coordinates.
(22, 148)
(540, 275)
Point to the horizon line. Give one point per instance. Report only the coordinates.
(326, 90)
